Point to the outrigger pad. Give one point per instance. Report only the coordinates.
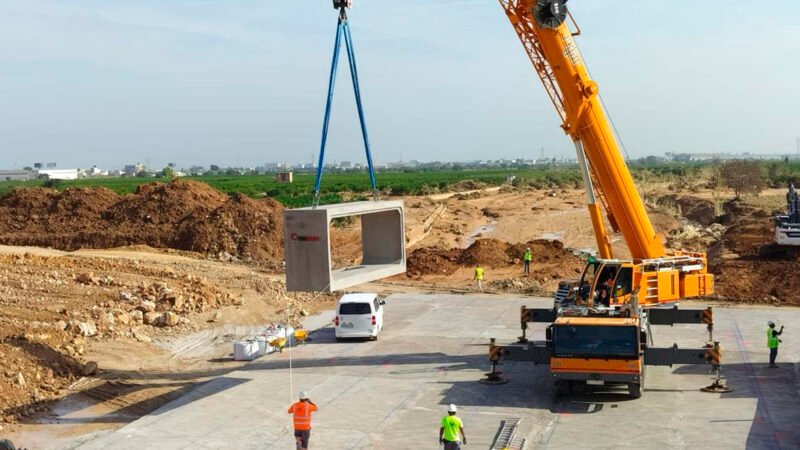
(308, 247)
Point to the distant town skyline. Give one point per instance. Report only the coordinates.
(108, 83)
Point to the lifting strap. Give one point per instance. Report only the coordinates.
(343, 30)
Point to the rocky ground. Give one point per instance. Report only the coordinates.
(59, 309)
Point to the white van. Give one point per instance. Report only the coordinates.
(359, 316)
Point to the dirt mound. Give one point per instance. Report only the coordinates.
(757, 281)
(159, 203)
(432, 260)
(698, 210)
(487, 252)
(491, 253)
(46, 207)
(242, 226)
(183, 215)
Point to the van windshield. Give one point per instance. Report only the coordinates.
(354, 308)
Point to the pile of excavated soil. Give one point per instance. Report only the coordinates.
(492, 253)
(757, 281)
(748, 229)
(740, 273)
(432, 260)
(698, 210)
(183, 215)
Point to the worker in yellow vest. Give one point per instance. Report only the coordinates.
(527, 257)
(478, 276)
(773, 342)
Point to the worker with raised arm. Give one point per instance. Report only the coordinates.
(527, 257)
(773, 342)
(451, 432)
(302, 420)
(478, 276)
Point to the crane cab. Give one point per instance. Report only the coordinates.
(612, 282)
(605, 283)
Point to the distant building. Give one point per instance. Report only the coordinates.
(50, 165)
(93, 172)
(60, 174)
(134, 169)
(284, 177)
(17, 175)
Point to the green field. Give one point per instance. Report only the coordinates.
(333, 185)
(337, 187)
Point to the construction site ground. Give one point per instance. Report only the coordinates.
(95, 338)
(392, 393)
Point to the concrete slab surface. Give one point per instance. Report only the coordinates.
(391, 394)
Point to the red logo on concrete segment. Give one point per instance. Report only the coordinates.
(295, 237)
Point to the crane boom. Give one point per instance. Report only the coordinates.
(558, 62)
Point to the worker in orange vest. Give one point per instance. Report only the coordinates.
(302, 420)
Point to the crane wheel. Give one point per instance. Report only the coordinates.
(635, 390)
(550, 13)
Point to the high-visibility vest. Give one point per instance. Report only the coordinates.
(479, 273)
(302, 415)
(528, 255)
(772, 340)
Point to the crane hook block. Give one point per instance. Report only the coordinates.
(550, 13)
(339, 4)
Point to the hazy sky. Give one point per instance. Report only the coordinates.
(110, 82)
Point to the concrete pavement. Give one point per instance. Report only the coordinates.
(391, 394)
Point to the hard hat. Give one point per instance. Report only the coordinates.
(452, 408)
(303, 395)
(770, 323)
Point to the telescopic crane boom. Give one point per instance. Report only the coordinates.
(543, 28)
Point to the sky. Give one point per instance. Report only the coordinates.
(243, 82)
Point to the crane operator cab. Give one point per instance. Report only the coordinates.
(605, 284)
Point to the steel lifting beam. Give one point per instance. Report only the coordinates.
(671, 316)
(536, 352)
(710, 354)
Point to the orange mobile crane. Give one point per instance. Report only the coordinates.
(600, 323)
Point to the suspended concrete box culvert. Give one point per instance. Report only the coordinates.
(308, 245)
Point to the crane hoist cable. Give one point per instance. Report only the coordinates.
(343, 31)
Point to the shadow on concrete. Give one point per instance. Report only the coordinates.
(130, 411)
(774, 424)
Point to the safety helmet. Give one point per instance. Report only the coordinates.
(303, 395)
(452, 408)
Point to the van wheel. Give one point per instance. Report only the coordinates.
(338, 339)
(374, 338)
(635, 390)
